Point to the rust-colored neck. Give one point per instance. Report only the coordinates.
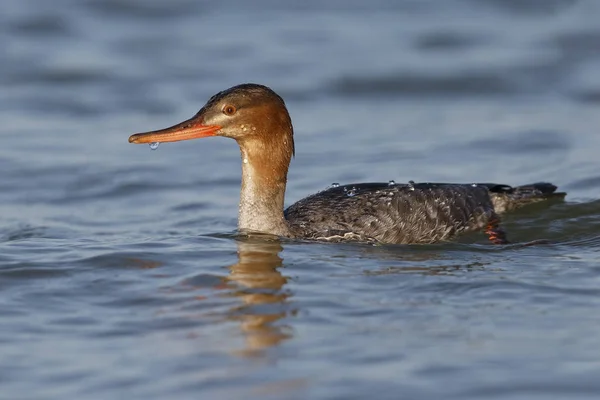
(265, 163)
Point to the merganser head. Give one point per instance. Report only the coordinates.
(254, 115)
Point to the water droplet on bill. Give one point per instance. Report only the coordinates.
(154, 145)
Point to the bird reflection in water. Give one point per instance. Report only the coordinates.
(254, 279)
(260, 286)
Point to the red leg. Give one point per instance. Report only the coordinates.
(495, 232)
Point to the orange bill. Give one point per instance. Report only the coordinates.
(190, 129)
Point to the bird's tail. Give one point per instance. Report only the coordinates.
(507, 198)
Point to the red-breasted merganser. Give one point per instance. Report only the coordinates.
(257, 118)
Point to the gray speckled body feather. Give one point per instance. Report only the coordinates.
(406, 213)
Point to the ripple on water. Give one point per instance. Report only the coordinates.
(141, 10)
(584, 183)
(60, 76)
(519, 143)
(30, 271)
(24, 232)
(588, 95)
(449, 40)
(413, 84)
(45, 26)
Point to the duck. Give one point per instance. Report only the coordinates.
(383, 212)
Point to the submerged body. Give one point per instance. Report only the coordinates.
(256, 117)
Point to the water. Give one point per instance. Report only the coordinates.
(120, 273)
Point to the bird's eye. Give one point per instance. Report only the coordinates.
(228, 109)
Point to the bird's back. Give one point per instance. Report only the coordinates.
(396, 213)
